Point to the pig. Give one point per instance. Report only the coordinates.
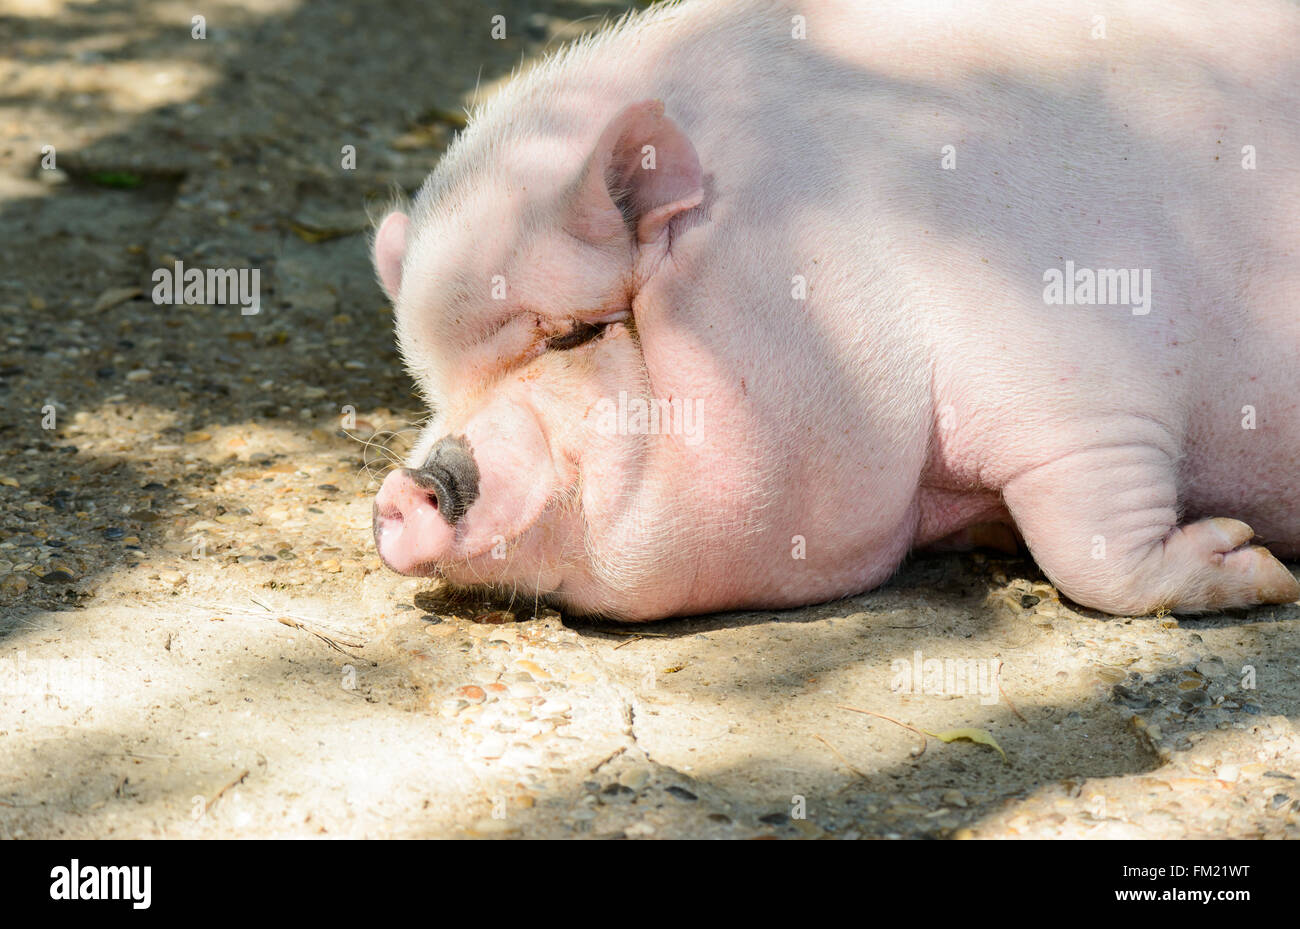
(736, 304)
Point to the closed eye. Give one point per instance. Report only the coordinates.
(580, 334)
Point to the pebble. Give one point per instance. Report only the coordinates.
(634, 778)
(490, 826)
(554, 708)
(681, 793)
(1227, 772)
(1212, 668)
(1111, 675)
(1131, 699)
(953, 798)
(471, 693)
(536, 670)
(14, 584)
(496, 618)
(139, 374)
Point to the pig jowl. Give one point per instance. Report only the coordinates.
(740, 303)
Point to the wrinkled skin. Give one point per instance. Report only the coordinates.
(861, 330)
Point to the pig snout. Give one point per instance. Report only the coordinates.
(417, 509)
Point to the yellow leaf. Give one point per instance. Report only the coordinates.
(980, 736)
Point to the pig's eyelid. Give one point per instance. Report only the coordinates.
(580, 334)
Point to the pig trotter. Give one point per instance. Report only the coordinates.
(1110, 540)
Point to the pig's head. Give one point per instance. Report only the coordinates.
(515, 285)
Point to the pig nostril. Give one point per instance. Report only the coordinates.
(449, 477)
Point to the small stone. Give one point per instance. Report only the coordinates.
(111, 298)
(472, 693)
(1212, 668)
(490, 826)
(639, 829)
(113, 534)
(681, 793)
(1228, 772)
(1111, 675)
(536, 670)
(56, 577)
(138, 375)
(1131, 699)
(171, 578)
(451, 706)
(953, 798)
(634, 778)
(14, 584)
(774, 819)
(492, 746)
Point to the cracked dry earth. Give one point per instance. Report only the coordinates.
(196, 638)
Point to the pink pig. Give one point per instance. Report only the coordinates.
(738, 303)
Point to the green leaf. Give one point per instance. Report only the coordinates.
(120, 179)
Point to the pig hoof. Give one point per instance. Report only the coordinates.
(1226, 572)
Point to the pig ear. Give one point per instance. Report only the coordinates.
(390, 248)
(643, 169)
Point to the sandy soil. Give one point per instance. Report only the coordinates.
(196, 638)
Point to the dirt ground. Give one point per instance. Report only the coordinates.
(196, 636)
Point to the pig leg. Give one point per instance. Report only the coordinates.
(1102, 524)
